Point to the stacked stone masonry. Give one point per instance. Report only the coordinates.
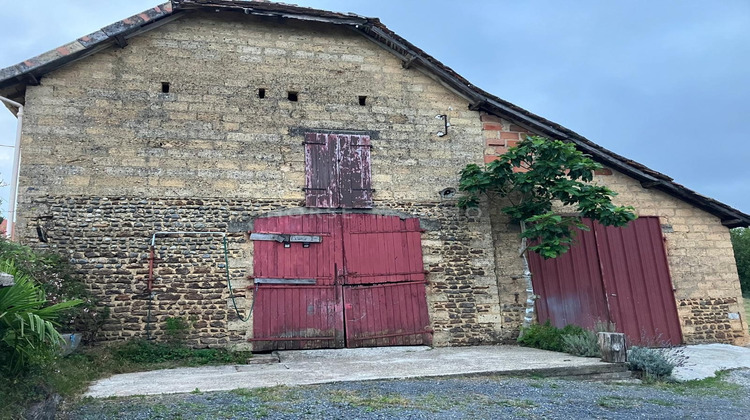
(109, 159)
(107, 240)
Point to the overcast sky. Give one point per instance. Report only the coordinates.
(664, 83)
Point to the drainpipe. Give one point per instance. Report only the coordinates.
(16, 165)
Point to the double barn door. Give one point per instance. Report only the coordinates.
(617, 275)
(359, 281)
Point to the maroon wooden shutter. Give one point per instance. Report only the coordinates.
(354, 170)
(321, 171)
(337, 171)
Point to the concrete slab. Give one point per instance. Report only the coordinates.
(308, 367)
(704, 360)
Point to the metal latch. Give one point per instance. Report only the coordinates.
(286, 238)
(284, 281)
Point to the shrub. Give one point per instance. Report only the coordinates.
(176, 329)
(152, 352)
(54, 274)
(547, 337)
(653, 363)
(584, 344)
(27, 326)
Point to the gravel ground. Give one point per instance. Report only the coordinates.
(445, 398)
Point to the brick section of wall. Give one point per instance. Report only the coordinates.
(107, 239)
(711, 321)
(499, 134)
(700, 256)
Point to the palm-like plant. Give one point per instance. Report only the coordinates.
(27, 327)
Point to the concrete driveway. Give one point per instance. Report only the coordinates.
(704, 360)
(307, 367)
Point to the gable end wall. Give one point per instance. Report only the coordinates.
(699, 251)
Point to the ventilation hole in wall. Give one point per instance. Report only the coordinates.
(363, 100)
(164, 87)
(261, 93)
(292, 96)
(448, 193)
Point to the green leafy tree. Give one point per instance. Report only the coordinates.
(532, 177)
(741, 245)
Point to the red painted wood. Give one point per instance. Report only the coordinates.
(321, 171)
(295, 311)
(370, 283)
(570, 286)
(382, 249)
(391, 314)
(337, 171)
(638, 284)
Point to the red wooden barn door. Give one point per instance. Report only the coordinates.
(362, 285)
(297, 316)
(611, 274)
(384, 283)
(637, 282)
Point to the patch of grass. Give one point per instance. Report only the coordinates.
(615, 402)
(715, 386)
(151, 352)
(516, 403)
(663, 403)
(267, 394)
(70, 376)
(370, 402)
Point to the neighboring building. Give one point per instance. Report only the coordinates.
(310, 138)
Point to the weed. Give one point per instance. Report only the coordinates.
(266, 394)
(613, 401)
(516, 403)
(658, 401)
(652, 363)
(176, 329)
(714, 386)
(370, 402)
(584, 344)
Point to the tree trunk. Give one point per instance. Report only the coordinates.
(530, 296)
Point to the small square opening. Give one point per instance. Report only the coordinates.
(292, 96)
(363, 100)
(261, 93)
(164, 87)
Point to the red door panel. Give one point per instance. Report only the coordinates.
(637, 281)
(291, 316)
(391, 314)
(570, 286)
(611, 274)
(382, 249)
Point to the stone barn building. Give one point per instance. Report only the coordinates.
(282, 177)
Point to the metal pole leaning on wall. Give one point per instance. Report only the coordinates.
(16, 166)
(152, 264)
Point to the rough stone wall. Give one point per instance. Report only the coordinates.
(107, 239)
(699, 251)
(108, 159)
